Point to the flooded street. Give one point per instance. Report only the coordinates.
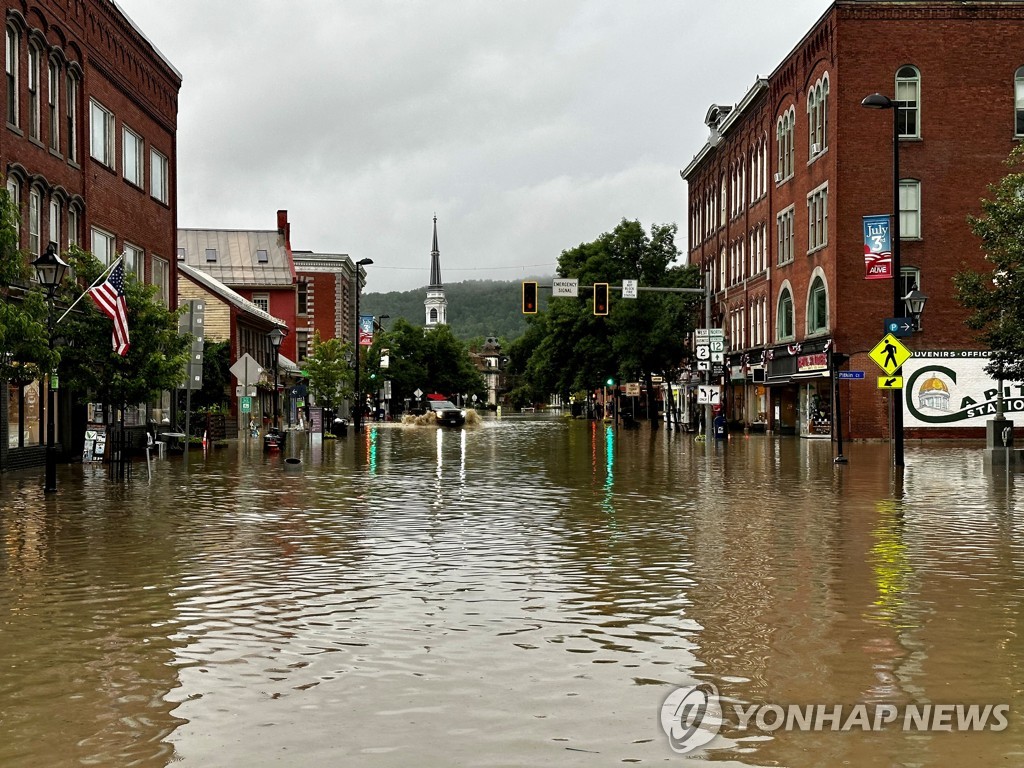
(525, 592)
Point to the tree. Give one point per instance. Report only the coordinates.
(639, 337)
(158, 355)
(24, 345)
(330, 377)
(996, 297)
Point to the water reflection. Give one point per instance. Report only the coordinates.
(519, 592)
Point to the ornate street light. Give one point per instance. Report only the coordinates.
(276, 337)
(914, 302)
(878, 101)
(358, 414)
(50, 270)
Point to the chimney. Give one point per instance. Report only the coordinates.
(284, 229)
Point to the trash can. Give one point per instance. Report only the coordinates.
(340, 427)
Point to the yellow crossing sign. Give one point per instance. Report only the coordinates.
(889, 354)
(890, 382)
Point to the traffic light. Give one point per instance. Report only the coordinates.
(600, 298)
(529, 297)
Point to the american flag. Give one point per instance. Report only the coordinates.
(109, 297)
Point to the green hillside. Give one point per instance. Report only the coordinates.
(475, 307)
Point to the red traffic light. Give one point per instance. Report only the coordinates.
(600, 298)
(529, 297)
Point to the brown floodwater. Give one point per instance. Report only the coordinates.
(523, 592)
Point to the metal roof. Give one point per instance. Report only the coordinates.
(218, 288)
(236, 259)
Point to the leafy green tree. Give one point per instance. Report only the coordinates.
(158, 355)
(330, 376)
(639, 337)
(24, 345)
(996, 297)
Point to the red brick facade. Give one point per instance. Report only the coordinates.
(964, 56)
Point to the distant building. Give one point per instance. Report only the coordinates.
(779, 193)
(89, 158)
(325, 299)
(489, 361)
(436, 304)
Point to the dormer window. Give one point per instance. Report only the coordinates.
(211, 254)
(181, 254)
(261, 256)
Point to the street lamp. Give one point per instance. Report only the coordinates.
(357, 416)
(878, 101)
(914, 302)
(50, 270)
(276, 337)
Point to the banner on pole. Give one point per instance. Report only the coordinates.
(877, 248)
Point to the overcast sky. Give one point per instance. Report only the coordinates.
(527, 126)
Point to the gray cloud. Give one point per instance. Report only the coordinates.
(527, 126)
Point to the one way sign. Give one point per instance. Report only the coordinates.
(708, 395)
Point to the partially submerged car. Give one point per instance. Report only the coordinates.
(447, 413)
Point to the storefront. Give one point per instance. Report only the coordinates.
(800, 385)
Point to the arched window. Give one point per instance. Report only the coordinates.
(433, 315)
(12, 58)
(908, 99)
(784, 317)
(817, 306)
(1018, 102)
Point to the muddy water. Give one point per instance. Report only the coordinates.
(523, 592)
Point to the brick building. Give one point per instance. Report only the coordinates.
(326, 298)
(89, 155)
(778, 196)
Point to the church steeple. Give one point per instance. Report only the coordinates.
(435, 305)
(435, 261)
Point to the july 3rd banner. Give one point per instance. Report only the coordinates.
(365, 330)
(877, 248)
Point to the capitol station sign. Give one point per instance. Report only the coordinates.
(949, 388)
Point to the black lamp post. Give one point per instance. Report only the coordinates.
(276, 337)
(878, 101)
(358, 415)
(914, 302)
(50, 270)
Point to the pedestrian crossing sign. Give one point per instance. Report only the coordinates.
(889, 354)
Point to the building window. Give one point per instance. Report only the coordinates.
(262, 256)
(908, 101)
(53, 102)
(33, 91)
(784, 318)
(162, 280)
(301, 345)
(784, 224)
(910, 209)
(131, 149)
(101, 133)
(302, 297)
(817, 118)
(787, 145)
(14, 190)
(911, 279)
(211, 255)
(24, 415)
(135, 262)
(56, 218)
(181, 254)
(13, 50)
(817, 219)
(262, 300)
(74, 226)
(158, 176)
(1018, 102)
(102, 246)
(35, 203)
(817, 307)
(72, 116)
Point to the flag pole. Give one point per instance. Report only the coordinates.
(96, 282)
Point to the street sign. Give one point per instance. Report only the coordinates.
(565, 286)
(629, 289)
(703, 352)
(717, 357)
(850, 374)
(632, 389)
(246, 406)
(708, 395)
(418, 393)
(716, 333)
(899, 326)
(889, 354)
(246, 370)
(703, 365)
(717, 345)
(890, 382)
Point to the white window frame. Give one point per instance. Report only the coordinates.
(820, 327)
(785, 291)
(55, 220)
(34, 73)
(71, 100)
(784, 227)
(158, 175)
(74, 226)
(133, 157)
(908, 101)
(135, 261)
(103, 245)
(262, 300)
(910, 209)
(14, 190)
(101, 133)
(162, 279)
(817, 218)
(35, 221)
(12, 56)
